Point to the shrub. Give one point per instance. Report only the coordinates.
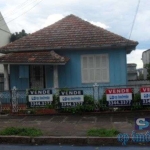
(88, 99)
(102, 103)
(137, 97)
(88, 106)
(89, 103)
(21, 131)
(103, 132)
(136, 103)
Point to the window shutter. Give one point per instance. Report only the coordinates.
(105, 68)
(23, 71)
(95, 68)
(84, 69)
(98, 72)
(91, 68)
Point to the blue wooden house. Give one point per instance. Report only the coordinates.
(70, 53)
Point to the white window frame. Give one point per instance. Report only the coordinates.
(95, 81)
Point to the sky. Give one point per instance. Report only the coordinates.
(118, 16)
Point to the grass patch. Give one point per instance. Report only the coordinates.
(103, 132)
(21, 131)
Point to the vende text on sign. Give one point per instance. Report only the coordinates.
(119, 96)
(145, 95)
(40, 92)
(119, 91)
(71, 96)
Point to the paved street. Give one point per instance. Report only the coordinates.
(48, 147)
(73, 125)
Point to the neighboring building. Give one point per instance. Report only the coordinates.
(140, 73)
(4, 40)
(131, 71)
(70, 53)
(4, 32)
(146, 60)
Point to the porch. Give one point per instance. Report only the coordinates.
(38, 69)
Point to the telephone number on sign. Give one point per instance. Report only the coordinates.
(146, 101)
(120, 103)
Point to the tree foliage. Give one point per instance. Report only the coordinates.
(147, 67)
(17, 35)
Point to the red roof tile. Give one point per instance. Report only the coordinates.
(70, 32)
(42, 57)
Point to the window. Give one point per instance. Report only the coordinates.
(95, 68)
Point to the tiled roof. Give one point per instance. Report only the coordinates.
(42, 57)
(70, 32)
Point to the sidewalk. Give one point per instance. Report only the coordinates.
(72, 129)
(73, 125)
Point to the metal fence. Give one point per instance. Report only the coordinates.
(15, 98)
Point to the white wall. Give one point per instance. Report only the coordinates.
(4, 32)
(4, 36)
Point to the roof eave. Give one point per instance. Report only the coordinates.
(19, 63)
(128, 47)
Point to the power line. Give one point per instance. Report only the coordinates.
(137, 8)
(16, 10)
(22, 14)
(5, 31)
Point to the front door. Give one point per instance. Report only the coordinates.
(37, 76)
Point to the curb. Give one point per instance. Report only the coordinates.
(66, 140)
(83, 114)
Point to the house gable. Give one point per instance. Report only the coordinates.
(69, 33)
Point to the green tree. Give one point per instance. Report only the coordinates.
(17, 35)
(147, 67)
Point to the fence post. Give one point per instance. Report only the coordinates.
(96, 86)
(14, 100)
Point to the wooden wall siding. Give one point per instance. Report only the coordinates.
(69, 75)
(49, 76)
(15, 80)
(23, 71)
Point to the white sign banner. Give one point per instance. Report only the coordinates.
(125, 96)
(33, 98)
(145, 95)
(71, 98)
